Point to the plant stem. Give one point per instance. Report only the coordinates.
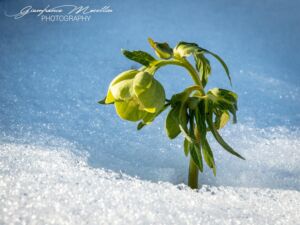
(183, 63)
(193, 175)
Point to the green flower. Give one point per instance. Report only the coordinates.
(136, 94)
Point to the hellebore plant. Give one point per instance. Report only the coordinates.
(138, 96)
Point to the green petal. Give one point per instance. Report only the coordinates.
(129, 110)
(109, 98)
(129, 74)
(122, 90)
(150, 93)
(142, 81)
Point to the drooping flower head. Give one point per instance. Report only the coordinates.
(135, 94)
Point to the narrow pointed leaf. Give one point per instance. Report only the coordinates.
(222, 63)
(208, 155)
(194, 146)
(140, 125)
(186, 147)
(196, 155)
(102, 101)
(203, 67)
(183, 120)
(141, 57)
(219, 139)
(200, 119)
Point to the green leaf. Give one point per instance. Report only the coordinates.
(162, 50)
(178, 98)
(191, 123)
(183, 120)
(141, 125)
(208, 155)
(222, 63)
(222, 119)
(194, 146)
(141, 57)
(183, 98)
(185, 49)
(196, 155)
(203, 67)
(172, 122)
(102, 101)
(200, 119)
(224, 100)
(193, 102)
(226, 94)
(186, 147)
(149, 117)
(218, 137)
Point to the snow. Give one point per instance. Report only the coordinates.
(64, 159)
(54, 186)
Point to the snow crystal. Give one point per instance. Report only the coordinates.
(55, 186)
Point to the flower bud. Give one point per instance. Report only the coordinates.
(135, 95)
(162, 50)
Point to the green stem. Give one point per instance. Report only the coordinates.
(192, 71)
(183, 63)
(193, 175)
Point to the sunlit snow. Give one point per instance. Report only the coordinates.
(64, 159)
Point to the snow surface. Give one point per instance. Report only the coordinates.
(64, 159)
(53, 186)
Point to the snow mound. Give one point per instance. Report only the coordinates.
(52, 185)
(272, 155)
